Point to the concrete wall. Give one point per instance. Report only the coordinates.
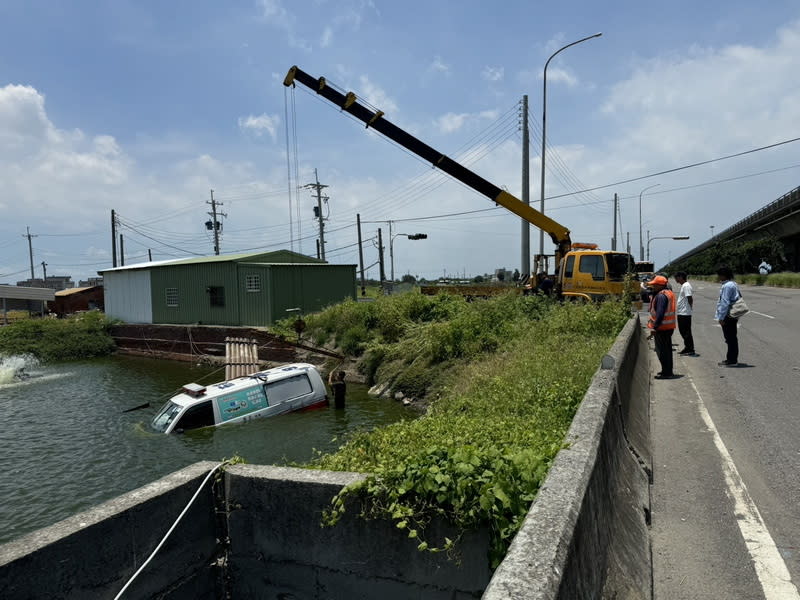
(280, 550)
(586, 534)
(93, 554)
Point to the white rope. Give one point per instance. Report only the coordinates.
(164, 539)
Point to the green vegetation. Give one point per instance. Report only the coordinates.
(504, 378)
(741, 257)
(786, 279)
(82, 336)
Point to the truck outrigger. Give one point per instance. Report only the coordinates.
(582, 270)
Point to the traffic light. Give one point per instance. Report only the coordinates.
(316, 212)
(418, 236)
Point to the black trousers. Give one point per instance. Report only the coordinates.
(663, 341)
(730, 329)
(685, 329)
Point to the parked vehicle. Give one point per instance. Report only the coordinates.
(582, 270)
(267, 393)
(644, 278)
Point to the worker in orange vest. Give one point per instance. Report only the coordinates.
(662, 323)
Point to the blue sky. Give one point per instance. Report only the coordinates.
(144, 107)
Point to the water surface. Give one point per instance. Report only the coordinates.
(67, 445)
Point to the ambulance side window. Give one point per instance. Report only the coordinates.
(199, 415)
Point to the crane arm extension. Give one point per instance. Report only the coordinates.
(349, 103)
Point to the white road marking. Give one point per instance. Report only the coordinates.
(762, 314)
(769, 565)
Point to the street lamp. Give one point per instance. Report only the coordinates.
(641, 246)
(411, 236)
(712, 230)
(544, 121)
(663, 237)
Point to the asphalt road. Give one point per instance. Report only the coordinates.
(726, 456)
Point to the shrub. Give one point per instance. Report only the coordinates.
(81, 336)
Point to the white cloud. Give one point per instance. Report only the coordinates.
(258, 125)
(493, 73)
(326, 38)
(274, 13)
(451, 122)
(376, 96)
(558, 75)
(439, 66)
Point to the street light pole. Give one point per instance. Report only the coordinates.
(544, 125)
(641, 245)
(663, 237)
(411, 236)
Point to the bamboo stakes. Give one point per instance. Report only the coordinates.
(241, 357)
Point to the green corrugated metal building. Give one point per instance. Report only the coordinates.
(234, 289)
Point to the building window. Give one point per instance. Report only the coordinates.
(252, 283)
(172, 297)
(216, 295)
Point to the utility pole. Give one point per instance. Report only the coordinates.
(44, 272)
(391, 253)
(526, 191)
(30, 249)
(149, 255)
(361, 255)
(113, 239)
(629, 242)
(213, 224)
(614, 239)
(380, 257)
(318, 212)
(121, 251)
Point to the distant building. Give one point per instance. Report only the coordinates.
(502, 275)
(236, 289)
(91, 282)
(53, 282)
(67, 302)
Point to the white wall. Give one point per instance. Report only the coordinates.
(128, 296)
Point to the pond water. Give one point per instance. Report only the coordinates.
(67, 445)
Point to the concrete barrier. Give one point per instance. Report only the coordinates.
(93, 554)
(279, 549)
(586, 534)
(260, 535)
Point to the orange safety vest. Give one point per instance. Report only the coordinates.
(669, 316)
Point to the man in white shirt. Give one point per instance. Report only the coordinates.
(764, 268)
(684, 311)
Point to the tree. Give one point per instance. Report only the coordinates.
(516, 275)
(478, 279)
(408, 279)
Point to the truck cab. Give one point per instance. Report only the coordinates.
(593, 274)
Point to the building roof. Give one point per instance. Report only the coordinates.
(277, 257)
(77, 290)
(26, 293)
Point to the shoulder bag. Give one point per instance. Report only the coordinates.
(738, 308)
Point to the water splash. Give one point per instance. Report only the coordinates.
(16, 368)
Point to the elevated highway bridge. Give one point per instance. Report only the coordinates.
(780, 219)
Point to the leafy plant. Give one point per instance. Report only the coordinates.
(508, 375)
(81, 336)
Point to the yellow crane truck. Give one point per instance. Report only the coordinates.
(582, 270)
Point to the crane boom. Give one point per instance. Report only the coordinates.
(348, 102)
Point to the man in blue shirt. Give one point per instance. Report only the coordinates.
(728, 294)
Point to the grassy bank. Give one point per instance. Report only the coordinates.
(504, 377)
(783, 279)
(82, 336)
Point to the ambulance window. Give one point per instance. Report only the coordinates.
(199, 415)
